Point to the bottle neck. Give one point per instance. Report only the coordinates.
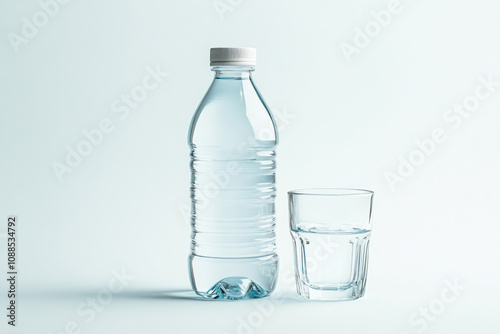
(233, 72)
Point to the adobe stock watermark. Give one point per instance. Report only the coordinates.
(453, 118)
(31, 26)
(371, 30)
(223, 6)
(265, 308)
(121, 107)
(421, 319)
(89, 309)
(222, 179)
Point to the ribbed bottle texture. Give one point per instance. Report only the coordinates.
(233, 194)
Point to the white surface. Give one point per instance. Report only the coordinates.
(342, 124)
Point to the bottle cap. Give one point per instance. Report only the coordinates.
(233, 56)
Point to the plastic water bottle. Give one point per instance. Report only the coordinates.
(233, 139)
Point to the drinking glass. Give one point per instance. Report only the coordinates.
(331, 231)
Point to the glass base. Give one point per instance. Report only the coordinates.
(341, 293)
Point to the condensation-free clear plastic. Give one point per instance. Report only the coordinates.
(233, 138)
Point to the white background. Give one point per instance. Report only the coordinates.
(347, 122)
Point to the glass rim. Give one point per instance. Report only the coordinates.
(330, 192)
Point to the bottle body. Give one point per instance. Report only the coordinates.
(233, 140)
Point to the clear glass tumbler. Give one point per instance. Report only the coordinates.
(331, 232)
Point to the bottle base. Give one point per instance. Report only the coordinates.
(235, 278)
(234, 288)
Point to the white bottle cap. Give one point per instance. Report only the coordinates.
(233, 56)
